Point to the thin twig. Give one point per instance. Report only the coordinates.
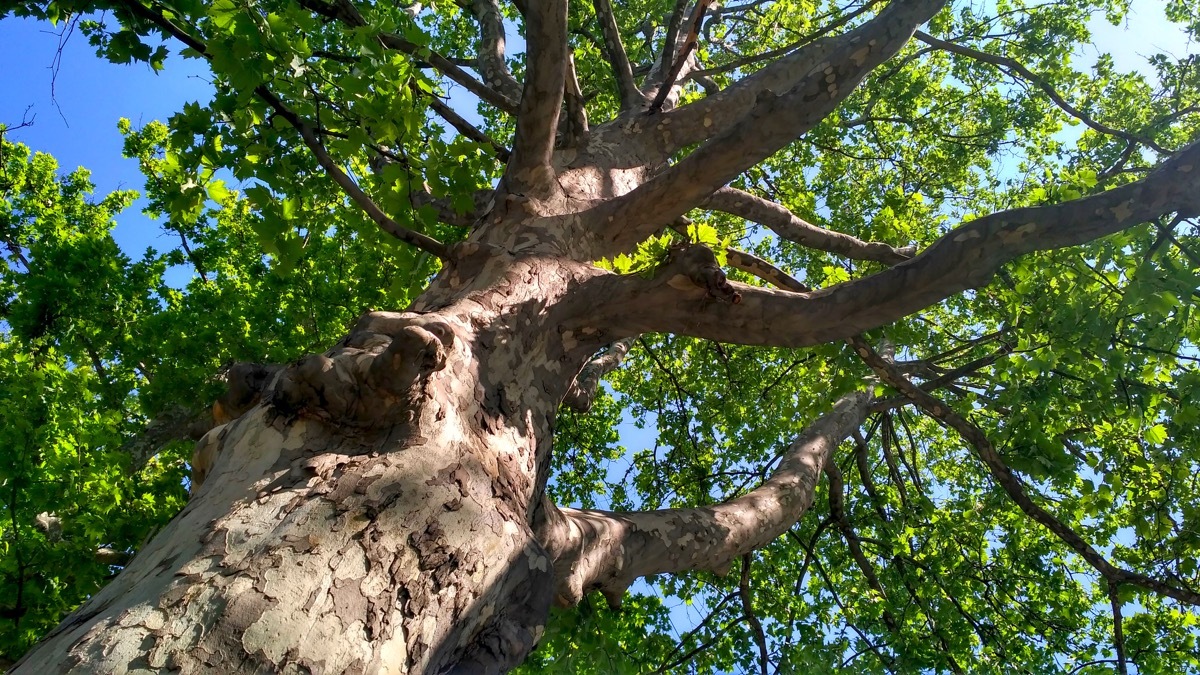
(760, 638)
(1040, 83)
(310, 138)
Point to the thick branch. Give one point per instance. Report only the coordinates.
(614, 52)
(573, 103)
(601, 550)
(244, 383)
(175, 423)
(789, 226)
(529, 171)
(719, 112)
(773, 122)
(966, 257)
(583, 391)
(1011, 484)
(106, 555)
(491, 62)
(763, 269)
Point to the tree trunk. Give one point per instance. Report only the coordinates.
(372, 514)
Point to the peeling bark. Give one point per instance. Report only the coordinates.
(371, 513)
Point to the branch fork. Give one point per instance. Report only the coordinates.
(696, 265)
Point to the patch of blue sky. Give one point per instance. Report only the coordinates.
(53, 75)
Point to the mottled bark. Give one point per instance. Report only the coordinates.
(583, 392)
(372, 512)
(614, 51)
(529, 171)
(490, 54)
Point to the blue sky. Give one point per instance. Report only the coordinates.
(78, 123)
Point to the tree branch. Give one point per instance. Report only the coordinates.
(352, 190)
(606, 551)
(106, 555)
(772, 122)
(1114, 598)
(742, 61)
(490, 53)
(787, 225)
(614, 52)
(719, 112)
(344, 11)
(386, 223)
(655, 85)
(529, 171)
(756, 629)
(243, 382)
(173, 424)
(583, 390)
(577, 121)
(445, 212)
(462, 126)
(837, 509)
(966, 257)
(685, 52)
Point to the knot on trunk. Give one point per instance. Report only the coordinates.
(697, 264)
(244, 385)
(373, 378)
(413, 354)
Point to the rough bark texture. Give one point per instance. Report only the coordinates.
(380, 508)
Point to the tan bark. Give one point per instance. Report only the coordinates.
(370, 514)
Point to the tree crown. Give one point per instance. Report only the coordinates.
(787, 185)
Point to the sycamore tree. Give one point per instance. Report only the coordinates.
(910, 265)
